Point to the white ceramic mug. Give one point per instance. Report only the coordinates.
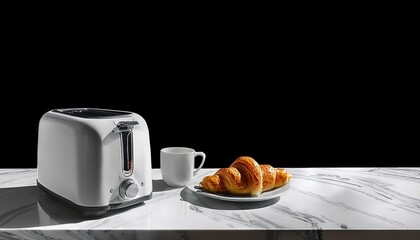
(177, 165)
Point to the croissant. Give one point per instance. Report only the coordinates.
(245, 177)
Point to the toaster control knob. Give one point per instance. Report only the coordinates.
(128, 189)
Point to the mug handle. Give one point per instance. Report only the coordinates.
(203, 158)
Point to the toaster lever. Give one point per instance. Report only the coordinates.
(124, 128)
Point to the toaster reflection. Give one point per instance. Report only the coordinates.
(52, 211)
(23, 207)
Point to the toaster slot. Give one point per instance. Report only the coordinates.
(127, 152)
(91, 112)
(125, 128)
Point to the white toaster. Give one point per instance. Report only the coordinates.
(94, 159)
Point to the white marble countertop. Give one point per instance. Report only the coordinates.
(318, 199)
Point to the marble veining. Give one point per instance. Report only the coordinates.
(337, 200)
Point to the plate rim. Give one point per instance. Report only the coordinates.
(280, 190)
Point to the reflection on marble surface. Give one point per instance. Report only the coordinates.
(321, 202)
(209, 234)
(23, 207)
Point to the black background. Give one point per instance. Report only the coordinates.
(282, 125)
(302, 95)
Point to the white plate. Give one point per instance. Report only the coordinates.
(235, 198)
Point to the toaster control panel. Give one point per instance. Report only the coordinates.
(128, 189)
